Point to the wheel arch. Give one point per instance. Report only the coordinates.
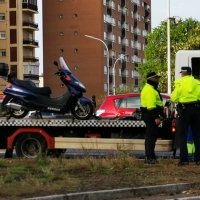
(13, 138)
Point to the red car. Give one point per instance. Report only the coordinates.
(122, 105)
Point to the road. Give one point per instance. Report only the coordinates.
(71, 153)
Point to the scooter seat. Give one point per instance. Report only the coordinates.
(32, 87)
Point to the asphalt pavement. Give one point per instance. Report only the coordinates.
(72, 153)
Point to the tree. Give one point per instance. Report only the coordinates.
(184, 35)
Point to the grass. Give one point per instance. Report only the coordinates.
(45, 176)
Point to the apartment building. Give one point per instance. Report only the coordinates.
(17, 38)
(109, 56)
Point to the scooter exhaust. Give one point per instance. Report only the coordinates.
(14, 106)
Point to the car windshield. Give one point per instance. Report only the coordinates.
(131, 102)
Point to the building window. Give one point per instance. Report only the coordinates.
(120, 72)
(13, 36)
(136, 81)
(105, 87)
(2, 35)
(2, 53)
(75, 15)
(75, 32)
(2, 17)
(61, 33)
(61, 16)
(33, 2)
(105, 70)
(75, 50)
(61, 50)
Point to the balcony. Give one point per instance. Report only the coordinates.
(125, 42)
(31, 72)
(110, 4)
(144, 33)
(136, 59)
(147, 8)
(136, 16)
(125, 26)
(27, 7)
(30, 25)
(137, 31)
(30, 59)
(30, 42)
(125, 73)
(137, 45)
(108, 19)
(137, 2)
(30, 77)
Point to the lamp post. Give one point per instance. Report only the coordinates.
(168, 52)
(108, 72)
(176, 20)
(121, 56)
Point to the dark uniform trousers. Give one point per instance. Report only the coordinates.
(189, 116)
(151, 135)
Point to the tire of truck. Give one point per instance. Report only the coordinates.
(31, 145)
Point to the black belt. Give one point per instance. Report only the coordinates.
(194, 103)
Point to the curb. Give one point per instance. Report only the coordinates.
(121, 193)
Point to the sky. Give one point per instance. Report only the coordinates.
(159, 12)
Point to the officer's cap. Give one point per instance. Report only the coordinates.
(186, 69)
(152, 75)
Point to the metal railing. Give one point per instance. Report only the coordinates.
(30, 41)
(30, 59)
(29, 23)
(29, 6)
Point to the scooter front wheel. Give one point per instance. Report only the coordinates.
(84, 112)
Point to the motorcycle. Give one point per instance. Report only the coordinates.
(23, 96)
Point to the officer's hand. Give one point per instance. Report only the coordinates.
(158, 122)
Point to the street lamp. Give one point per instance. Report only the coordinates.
(89, 36)
(121, 56)
(176, 21)
(168, 52)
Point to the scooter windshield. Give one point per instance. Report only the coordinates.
(63, 65)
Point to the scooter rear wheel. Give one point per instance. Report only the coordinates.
(78, 113)
(17, 113)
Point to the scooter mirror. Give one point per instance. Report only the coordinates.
(55, 63)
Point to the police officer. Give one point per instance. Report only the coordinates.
(152, 108)
(186, 94)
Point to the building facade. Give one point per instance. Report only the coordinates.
(119, 29)
(17, 38)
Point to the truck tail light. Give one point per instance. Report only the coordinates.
(165, 111)
(173, 127)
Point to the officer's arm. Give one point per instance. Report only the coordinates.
(198, 89)
(176, 93)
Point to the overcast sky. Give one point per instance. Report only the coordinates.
(159, 9)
